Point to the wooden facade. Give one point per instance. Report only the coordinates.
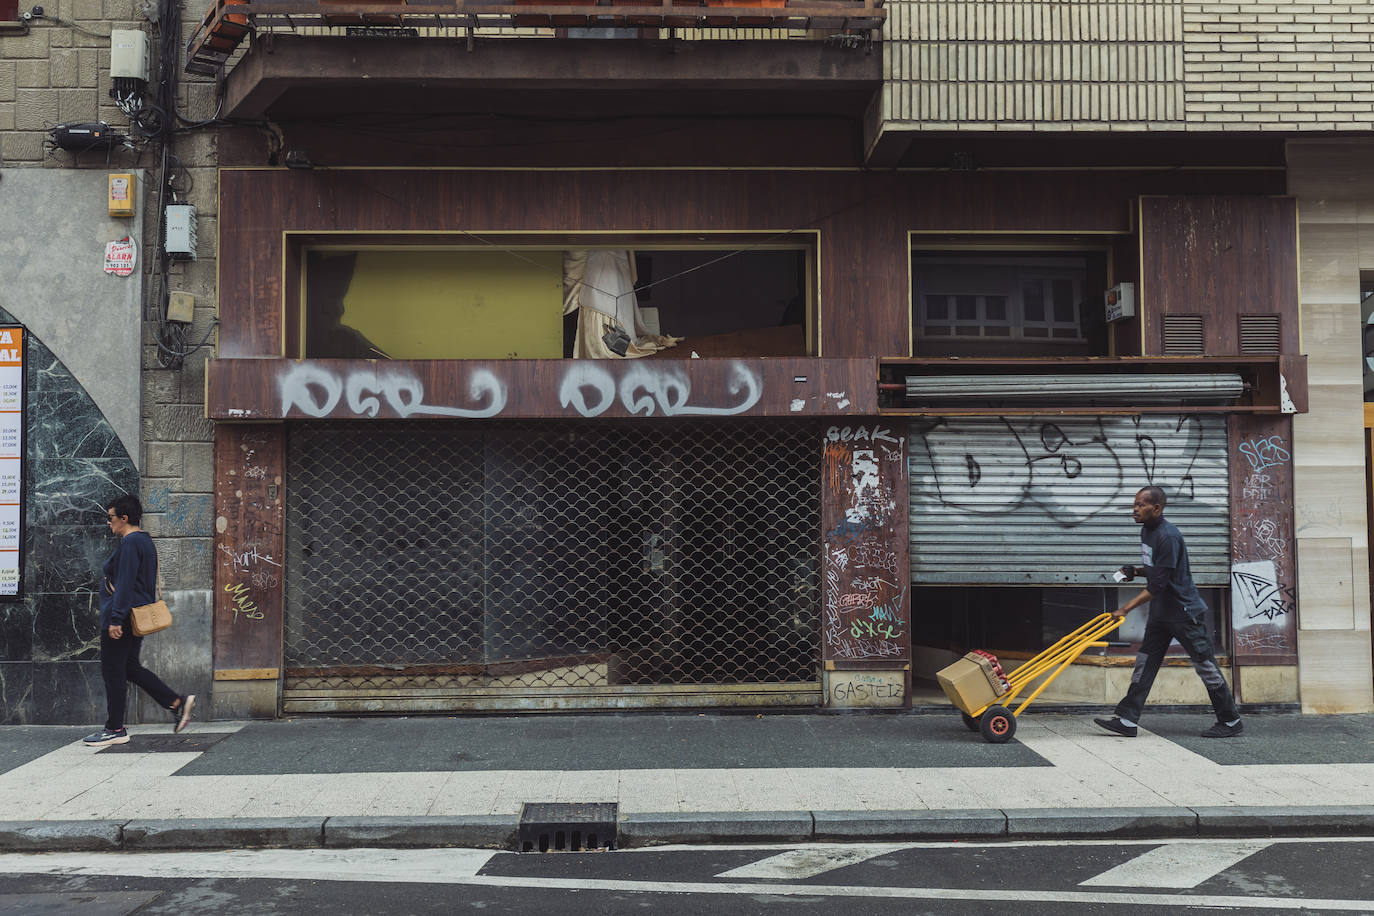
(1213, 243)
(860, 222)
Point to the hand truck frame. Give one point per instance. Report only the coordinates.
(996, 721)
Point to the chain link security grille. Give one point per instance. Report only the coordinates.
(431, 557)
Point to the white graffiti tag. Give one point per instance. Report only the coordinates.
(644, 389)
(316, 392)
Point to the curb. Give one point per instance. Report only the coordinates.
(685, 828)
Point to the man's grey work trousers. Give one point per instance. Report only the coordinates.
(1192, 636)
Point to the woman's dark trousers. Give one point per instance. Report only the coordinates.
(119, 666)
(1192, 636)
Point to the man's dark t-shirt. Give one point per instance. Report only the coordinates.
(1170, 581)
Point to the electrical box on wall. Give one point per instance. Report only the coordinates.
(181, 307)
(122, 187)
(129, 54)
(1120, 301)
(180, 234)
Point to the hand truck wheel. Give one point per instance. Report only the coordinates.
(997, 725)
(970, 722)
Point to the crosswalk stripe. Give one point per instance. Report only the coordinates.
(809, 862)
(1177, 865)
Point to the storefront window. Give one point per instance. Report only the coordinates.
(506, 301)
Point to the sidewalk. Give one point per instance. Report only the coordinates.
(681, 778)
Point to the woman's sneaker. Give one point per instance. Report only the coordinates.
(182, 714)
(105, 738)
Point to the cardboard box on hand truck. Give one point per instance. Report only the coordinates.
(992, 669)
(966, 684)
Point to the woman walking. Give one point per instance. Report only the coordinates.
(130, 581)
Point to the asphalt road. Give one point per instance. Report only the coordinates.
(1240, 876)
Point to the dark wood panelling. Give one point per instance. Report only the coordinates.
(1218, 257)
(272, 389)
(1264, 626)
(250, 530)
(862, 220)
(866, 606)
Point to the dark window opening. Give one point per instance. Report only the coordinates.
(1012, 303)
(727, 303)
(1025, 620)
(1367, 324)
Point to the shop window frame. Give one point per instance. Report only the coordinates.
(807, 242)
(1111, 247)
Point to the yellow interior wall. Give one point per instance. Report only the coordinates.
(459, 304)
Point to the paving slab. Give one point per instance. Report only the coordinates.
(1273, 740)
(602, 742)
(23, 743)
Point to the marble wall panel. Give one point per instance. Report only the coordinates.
(1331, 339)
(68, 558)
(16, 693)
(66, 627)
(16, 630)
(73, 491)
(75, 462)
(1327, 262)
(1334, 671)
(67, 693)
(1335, 189)
(55, 398)
(1331, 433)
(1325, 581)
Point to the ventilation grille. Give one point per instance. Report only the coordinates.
(1183, 335)
(1259, 335)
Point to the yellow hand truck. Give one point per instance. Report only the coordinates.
(996, 720)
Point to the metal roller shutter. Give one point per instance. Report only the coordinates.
(436, 567)
(1047, 500)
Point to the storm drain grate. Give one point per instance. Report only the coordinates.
(568, 826)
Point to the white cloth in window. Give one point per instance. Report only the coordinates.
(599, 285)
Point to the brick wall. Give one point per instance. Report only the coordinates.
(1128, 65)
(1280, 66)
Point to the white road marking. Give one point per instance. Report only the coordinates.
(459, 867)
(1175, 901)
(810, 861)
(419, 866)
(1177, 865)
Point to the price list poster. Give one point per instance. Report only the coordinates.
(11, 460)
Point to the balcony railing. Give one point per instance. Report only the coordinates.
(227, 22)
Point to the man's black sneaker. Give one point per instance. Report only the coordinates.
(1222, 730)
(1116, 727)
(105, 737)
(182, 714)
